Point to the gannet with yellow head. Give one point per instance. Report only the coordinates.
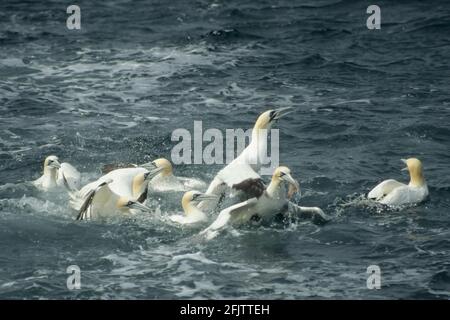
(394, 193)
(165, 180)
(131, 183)
(264, 204)
(249, 162)
(192, 214)
(102, 202)
(58, 175)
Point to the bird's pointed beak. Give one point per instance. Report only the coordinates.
(206, 197)
(152, 173)
(294, 186)
(148, 165)
(55, 164)
(140, 206)
(281, 112)
(405, 162)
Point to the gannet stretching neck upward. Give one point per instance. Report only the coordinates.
(166, 180)
(249, 162)
(265, 203)
(394, 193)
(102, 202)
(58, 174)
(192, 214)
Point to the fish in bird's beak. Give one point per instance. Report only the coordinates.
(54, 164)
(405, 162)
(293, 185)
(152, 173)
(281, 112)
(205, 197)
(138, 206)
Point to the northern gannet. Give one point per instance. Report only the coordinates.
(265, 203)
(192, 214)
(165, 180)
(102, 202)
(127, 182)
(249, 162)
(394, 193)
(58, 175)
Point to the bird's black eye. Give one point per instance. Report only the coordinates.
(195, 196)
(272, 114)
(129, 203)
(282, 173)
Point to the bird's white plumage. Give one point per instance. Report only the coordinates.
(46, 182)
(249, 162)
(394, 193)
(270, 202)
(192, 215)
(405, 195)
(163, 183)
(236, 214)
(237, 172)
(122, 182)
(58, 176)
(101, 201)
(71, 176)
(188, 219)
(384, 188)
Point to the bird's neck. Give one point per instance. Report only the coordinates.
(139, 185)
(416, 179)
(260, 134)
(50, 173)
(258, 145)
(190, 210)
(274, 188)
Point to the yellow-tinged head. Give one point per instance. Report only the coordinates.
(415, 168)
(267, 118)
(283, 173)
(165, 165)
(125, 204)
(51, 163)
(190, 197)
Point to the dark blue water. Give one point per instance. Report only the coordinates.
(116, 89)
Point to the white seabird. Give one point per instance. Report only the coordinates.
(57, 175)
(192, 214)
(102, 202)
(127, 182)
(264, 204)
(249, 162)
(165, 180)
(394, 193)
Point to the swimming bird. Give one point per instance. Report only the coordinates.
(102, 202)
(394, 193)
(127, 182)
(192, 214)
(165, 180)
(249, 162)
(265, 203)
(57, 175)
